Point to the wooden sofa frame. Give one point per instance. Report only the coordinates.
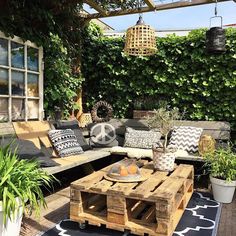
(219, 130)
(36, 131)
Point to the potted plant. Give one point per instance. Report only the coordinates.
(221, 165)
(20, 182)
(163, 120)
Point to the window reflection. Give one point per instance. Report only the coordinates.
(3, 109)
(33, 85)
(3, 52)
(32, 59)
(17, 55)
(3, 81)
(18, 109)
(33, 109)
(18, 83)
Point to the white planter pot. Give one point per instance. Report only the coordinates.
(12, 227)
(222, 191)
(163, 161)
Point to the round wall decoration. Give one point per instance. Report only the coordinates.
(108, 111)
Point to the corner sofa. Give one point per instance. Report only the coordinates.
(33, 142)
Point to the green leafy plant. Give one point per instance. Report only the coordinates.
(163, 120)
(181, 73)
(57, 28)
(221, 164)
(20, 182)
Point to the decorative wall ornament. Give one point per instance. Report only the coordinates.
(104, 105)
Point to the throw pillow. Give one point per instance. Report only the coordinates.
(185, 138)
(104, 135)
(65, 142)
(27, 150)
(73, 124)
(141, 138)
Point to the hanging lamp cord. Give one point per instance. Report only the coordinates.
(139, 7)
(216, 8)
(140, 20)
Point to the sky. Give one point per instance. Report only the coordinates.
(180, 18)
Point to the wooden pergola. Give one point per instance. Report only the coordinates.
(148, 6)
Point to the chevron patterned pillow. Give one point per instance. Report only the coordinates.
(65, 142)
(185, 138)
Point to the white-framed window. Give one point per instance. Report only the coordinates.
(21, 80)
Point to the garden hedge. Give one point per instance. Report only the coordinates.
(180, 74)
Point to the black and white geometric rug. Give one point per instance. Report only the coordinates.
(200, 218)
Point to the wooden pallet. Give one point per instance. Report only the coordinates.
(152, 207)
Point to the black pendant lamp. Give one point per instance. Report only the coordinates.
(215, 36)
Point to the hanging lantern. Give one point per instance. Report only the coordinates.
(215, 37)
(140, 40)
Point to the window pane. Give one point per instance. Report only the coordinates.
(32, 59)
(18, 109)
(17, 55)
(18, 84)
(33, 109)
(3, 109)
(3, 52)
(33, 85)
(3, 81)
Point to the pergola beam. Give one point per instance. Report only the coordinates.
(158, 7)
(94, 5)
(150, 4)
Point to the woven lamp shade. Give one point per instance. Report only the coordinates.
(140, 40)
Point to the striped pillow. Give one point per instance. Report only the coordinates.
(65, 142)
(185, 138)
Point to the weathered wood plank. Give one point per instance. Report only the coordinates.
(7, 129)
(168, 189)
(122, 188)
(217, 129)
(150, 4)
(145, 189)
(74, 161)
(158, 7)
(183, 171)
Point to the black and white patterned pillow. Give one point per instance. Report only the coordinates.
(141, 138)
(185, 138)
(65, 142)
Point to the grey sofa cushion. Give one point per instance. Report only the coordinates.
(65, 142)
(73, 124)
(141, 138)
(26, 149)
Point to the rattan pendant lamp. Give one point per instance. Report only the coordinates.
(140, 39)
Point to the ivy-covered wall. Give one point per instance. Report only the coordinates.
(181, 74)
(55, 25)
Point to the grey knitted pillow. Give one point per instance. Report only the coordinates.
(141, 138)
(65, 142)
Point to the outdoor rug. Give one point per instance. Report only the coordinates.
(201, 218)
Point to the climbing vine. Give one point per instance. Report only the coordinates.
(55, 26)
(181, 74)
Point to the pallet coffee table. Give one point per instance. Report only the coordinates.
(153, 206)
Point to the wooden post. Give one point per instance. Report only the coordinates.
(79, 102)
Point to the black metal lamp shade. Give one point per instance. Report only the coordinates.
(215, 40)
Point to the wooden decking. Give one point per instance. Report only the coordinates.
(58, 209)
